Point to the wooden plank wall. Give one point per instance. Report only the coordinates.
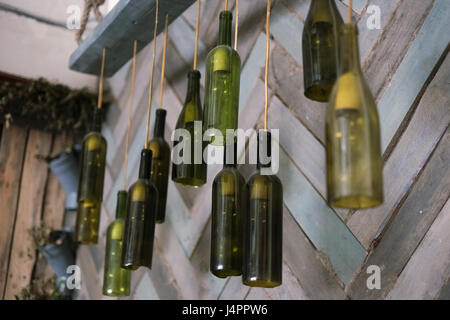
(30, 196)
(326, 252)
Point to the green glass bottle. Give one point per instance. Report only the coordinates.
(354, 164)
(264, 225)
(223, 72)
(90, 184)
(160, 164)
(190, 174)
(116, 281)
(229, 198)
(320, 49)
(139, 234)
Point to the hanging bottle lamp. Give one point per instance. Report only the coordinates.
(223, 72)
(116, 280)
(92, 173)
(229, 205)
(320, 49)
(142, 199)
(354, 164)
(189, 169)
(262, 266)
(160, 148)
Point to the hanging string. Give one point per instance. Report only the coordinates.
(226, 5)
(130, 110)
(150, 88)
(197, 27)
(349, 12)
(236, 26)
(266, 72)
(100, 86)
(163, 67)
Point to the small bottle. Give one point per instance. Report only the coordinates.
(229, 197)
(116, 281)
(354, 164)
(190, 173)
(223, 72)
(320, 49)
(264, 225)
(90, 184)
(160, 164)
(140, 222)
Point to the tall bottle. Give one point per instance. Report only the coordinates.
(116, 281)
(264, 225)
(140, 221)
(320, 49)
(90, 184)
(191, 169)
(354, 164)
(229, 205)
(159, 173)
(223, 72)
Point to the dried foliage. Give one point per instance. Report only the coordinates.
(41, 289)
(46, 106)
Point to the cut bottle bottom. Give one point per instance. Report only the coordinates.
(261, 283)
(356, 202)
(319, 92)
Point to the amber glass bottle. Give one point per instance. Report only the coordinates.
(140, 222)
(264, 225)
(90, 184)
(223, 72)
(116, 281)
(354, 164)
(320, 49)
(190, 174)
(160, 164)
(229, 205)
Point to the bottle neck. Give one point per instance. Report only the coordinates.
(264, 150)
(230, 155)
(121, 208)
(146, 164)
(225, 26)
(160, 122)
(349, 60)
(97, 122)
(193, 91)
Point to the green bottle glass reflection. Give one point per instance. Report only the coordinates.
(223, 72)
(320, 49)
(140, 221)
(190, 173)
(264, 224)
(116, 281)
(354, 164)
(159, 173)
(90, 184)
(229, 198)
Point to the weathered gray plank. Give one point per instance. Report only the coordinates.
(319, 222)
(411, 153)
(412, 73)
(234, 289)
(411, 223)
(145, 289)
(382, 64)
(429, 267)
(126, 22)
(316, 278)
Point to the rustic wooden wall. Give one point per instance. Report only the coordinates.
(326, 252)
(30, 196)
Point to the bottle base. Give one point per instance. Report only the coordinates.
(190, 182)
(224, 273)
(355, 202)
(115, 293)
(319, 92)
(261, 283)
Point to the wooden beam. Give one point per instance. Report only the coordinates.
(129, 20)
